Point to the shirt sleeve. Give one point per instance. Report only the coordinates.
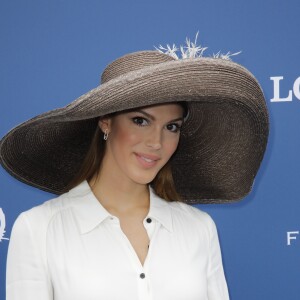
(26, 275)
(217, 286)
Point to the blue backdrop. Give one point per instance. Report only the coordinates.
(53, 51)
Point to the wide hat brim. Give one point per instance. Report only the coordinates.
(222, 141)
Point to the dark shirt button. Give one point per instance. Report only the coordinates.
(149, 220)
(142, 275)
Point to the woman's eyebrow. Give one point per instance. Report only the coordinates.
(153, 117)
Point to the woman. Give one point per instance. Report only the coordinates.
(157, 132)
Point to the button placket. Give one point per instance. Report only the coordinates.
(143, 287)
(143, 278)
(141, 270)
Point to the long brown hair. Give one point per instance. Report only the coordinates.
(163, 183)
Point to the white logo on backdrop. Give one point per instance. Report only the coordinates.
(277, 96)
(291, 235)
(2, 225)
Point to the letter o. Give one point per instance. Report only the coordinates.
(296, 88)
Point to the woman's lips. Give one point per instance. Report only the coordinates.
(147, 160)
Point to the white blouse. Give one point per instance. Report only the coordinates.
(71, 248)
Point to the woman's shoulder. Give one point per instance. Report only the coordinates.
(31, 226)
(41, 215)
(50, 208)
(191, 213)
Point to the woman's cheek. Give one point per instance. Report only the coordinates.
(132, 138)
(127, 137)
(171, 146)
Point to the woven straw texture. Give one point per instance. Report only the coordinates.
(222, 142)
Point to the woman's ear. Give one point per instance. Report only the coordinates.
(104, 124)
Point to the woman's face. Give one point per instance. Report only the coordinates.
(140, 142)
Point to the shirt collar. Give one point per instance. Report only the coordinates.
(90, 213)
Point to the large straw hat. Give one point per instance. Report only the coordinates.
(222, 141)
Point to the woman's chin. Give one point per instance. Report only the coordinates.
(142, 178)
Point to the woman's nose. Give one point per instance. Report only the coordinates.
(154, 139)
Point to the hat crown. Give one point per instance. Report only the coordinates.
(133, 62)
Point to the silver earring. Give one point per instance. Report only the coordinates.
(105, 136)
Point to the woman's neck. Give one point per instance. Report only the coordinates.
(118, 194)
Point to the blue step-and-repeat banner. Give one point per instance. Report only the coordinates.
(54, 51)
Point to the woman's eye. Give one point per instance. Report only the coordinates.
(173, 127)
(140, 121)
